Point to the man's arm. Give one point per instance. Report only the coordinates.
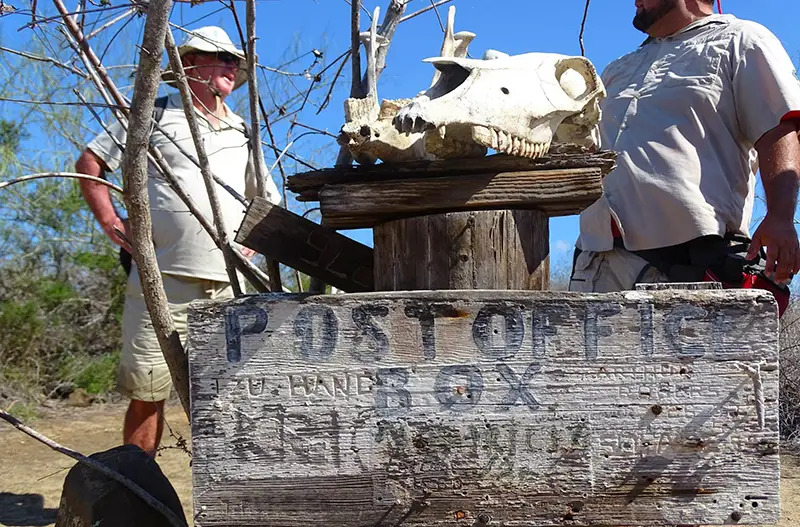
(99, 199)
(779, 162)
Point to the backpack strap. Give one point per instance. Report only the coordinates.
(159, 107)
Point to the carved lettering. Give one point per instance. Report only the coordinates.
(723, 324)
(317, 331)
(256, 387)
(487, 329)
(544, 324)
(256, 322)
(459, 388)
(593, 330)
(427, 313)
(674, 329)
(646, 312)
(518, 387)
(377, 342)
(295, 382)
(390, 393)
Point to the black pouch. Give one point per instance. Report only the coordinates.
(125, 260)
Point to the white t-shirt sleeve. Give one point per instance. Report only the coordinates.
(105, 147)
(765, 84)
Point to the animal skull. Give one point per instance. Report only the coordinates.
(368, 131)
(513, 104)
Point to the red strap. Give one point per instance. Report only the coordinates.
(719, 6)
(615, 232)
(791, 115)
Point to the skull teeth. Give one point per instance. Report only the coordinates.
(509, 144)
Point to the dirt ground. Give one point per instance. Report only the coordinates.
(31, 475)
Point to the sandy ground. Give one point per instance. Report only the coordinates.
(31, 475)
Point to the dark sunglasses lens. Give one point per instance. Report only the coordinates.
(228, 58)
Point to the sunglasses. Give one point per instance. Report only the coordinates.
(222, 56)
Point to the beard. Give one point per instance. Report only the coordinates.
(645, 18)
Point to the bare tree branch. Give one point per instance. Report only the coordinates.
(583, 27)
(110, 23)
(205, 170)
(170, 516)
(135, 177)
(356, 87)
(424, 10)
(40, 58)
(394, 15)
(68, 175)
(252, 85)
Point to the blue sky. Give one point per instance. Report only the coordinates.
(512, 26)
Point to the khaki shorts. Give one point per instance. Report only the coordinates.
(143, 372)
(610, 271)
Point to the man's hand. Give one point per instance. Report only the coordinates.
(117, 231)
(779, 160)
(783, 248)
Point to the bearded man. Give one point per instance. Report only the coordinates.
(694, 112)
(192, 266)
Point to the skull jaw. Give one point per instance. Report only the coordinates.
(532, 147)
(450, 132)
(453, 141)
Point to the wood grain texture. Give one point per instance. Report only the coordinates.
(555, 192)
(313, 249)
(471, 408)
(308, 184)
(463, 250)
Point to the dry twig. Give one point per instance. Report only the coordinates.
(583, 27)
(69, 175)
(205, 170)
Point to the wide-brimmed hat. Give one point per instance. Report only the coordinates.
(210, 39)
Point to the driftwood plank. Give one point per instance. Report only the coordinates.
(555, 192)
(310, 248)
(308, 184)
(472, 408)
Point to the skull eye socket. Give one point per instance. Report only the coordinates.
(452, 77)
(575, 78)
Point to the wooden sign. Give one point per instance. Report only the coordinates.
(309, 247)
(486, 408)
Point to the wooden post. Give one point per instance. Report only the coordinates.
(500, 249)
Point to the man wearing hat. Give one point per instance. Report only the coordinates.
(192, 266)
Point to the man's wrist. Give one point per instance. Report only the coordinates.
(108, 221)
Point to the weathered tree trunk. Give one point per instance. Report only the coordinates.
(134, 166)
(499, 249)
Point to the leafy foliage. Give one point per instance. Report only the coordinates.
(61, 286)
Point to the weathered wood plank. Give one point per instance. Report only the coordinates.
(313, 249)
(464, 250)
(474, 407)
(555, 192)
(560, 157)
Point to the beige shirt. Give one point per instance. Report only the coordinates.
(684, 113)
(182, 245)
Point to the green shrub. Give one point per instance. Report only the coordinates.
(97, 374)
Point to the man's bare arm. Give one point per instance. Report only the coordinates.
(779, 160)
(99, 199)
